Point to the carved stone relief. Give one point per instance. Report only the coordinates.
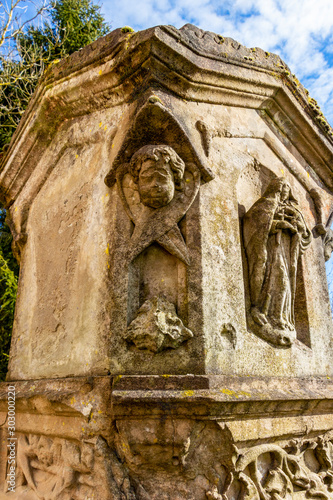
(203, 458)
(157, 188)
(328, 244)
(275, 236)
(158, 174)
(302, 469)
(51, 468)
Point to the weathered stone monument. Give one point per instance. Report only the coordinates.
(170, 194)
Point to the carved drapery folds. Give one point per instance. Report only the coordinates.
(275, 236)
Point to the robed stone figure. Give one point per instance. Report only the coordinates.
(275, 236)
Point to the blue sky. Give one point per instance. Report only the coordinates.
(300, 31)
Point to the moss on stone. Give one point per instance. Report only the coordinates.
(127, 29)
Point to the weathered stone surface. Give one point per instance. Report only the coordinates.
(157, 327)
(172, 437)
(170, 197)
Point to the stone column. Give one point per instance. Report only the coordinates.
(170, 197)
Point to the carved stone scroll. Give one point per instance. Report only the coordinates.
(275, 236)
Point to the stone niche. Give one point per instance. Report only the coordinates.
(170, 194)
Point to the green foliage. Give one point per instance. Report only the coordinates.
(8, 288)
(18, 80)
(72, 24)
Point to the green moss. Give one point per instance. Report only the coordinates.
(127, 29)
(154, 99)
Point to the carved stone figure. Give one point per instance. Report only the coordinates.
(53, 468)
(156, 197)
(49, 467)
(275, 236)
(158, 171)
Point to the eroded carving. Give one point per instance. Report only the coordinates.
(328, 244)
(157, 188)
(52, 468)
(269, 472)
(157, 327)
(229, 333)
(206, 136)
(275, 236)
(207, 464)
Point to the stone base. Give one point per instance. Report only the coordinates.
(169, 437)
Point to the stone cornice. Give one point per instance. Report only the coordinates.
(221, 398)
(195, 65)
(220, 395)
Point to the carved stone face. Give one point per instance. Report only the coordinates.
(285, 192)
(156, 183)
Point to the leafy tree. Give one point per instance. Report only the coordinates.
(8, 288)
(25, 51)
(74, 24)
(11, 23)
(71, 25)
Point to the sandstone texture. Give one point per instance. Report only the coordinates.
(170, 194)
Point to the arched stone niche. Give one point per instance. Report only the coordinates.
(158, 176)
(273, 267)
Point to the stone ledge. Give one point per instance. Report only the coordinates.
(212, 396)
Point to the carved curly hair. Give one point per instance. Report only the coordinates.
(154, 152)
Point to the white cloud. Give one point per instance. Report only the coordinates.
(298, 30)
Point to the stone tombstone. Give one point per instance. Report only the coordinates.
(170, 194)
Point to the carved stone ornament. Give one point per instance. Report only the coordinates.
(269, 472)
(158, 174)
(275, 236)
(157, 327)
(157, 189)
(53, 468)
